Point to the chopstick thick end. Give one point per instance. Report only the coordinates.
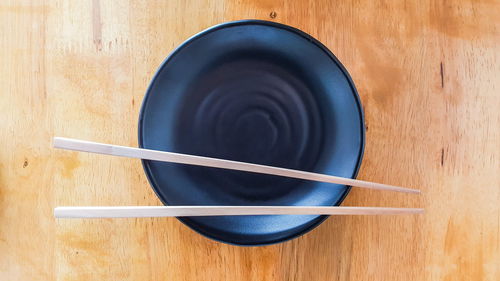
(57, 213)
(57, 142)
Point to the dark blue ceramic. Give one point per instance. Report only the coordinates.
(258, 92)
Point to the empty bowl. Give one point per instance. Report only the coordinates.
(259, 92)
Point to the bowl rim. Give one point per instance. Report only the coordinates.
(275, 25)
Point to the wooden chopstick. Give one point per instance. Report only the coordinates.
(141, 153)
(188, 211)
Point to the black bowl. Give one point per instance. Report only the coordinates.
(259, 92)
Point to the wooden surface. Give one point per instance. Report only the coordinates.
(427, 73)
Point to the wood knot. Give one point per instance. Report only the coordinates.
(273, 15)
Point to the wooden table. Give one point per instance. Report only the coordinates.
(427, 73)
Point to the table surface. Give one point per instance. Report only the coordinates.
(428, 76)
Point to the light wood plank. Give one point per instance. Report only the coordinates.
(426, 71)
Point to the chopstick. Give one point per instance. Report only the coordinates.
(141, 153)
(189, 211)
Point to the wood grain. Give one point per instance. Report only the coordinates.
(427, 73)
